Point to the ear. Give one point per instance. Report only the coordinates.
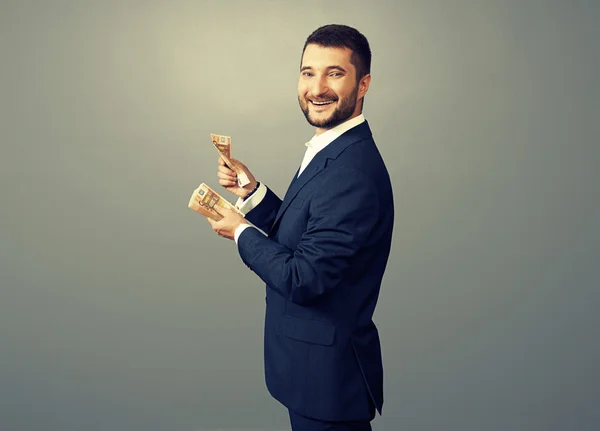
(363, 85)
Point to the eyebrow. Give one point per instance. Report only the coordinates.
(340, 68)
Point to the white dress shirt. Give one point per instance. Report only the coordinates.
(316, 144)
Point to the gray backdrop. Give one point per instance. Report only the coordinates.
(121, 310)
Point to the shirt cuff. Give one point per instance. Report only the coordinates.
(245, 206)
(238, 231)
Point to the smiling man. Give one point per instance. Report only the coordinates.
(327, 246)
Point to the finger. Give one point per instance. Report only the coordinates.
(218, 210)
(225, 212)
(224, 173)
(226, 170)
(238, 163)
(221, 161)
(211, 222)
(228, 180)
(214, 223)
(227, 183)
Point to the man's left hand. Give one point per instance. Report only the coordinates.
(228, 224)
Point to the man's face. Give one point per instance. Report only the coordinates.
(327, 89)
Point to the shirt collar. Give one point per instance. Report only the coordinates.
(317, 143)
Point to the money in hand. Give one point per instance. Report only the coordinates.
(223, 146)
(207, 202)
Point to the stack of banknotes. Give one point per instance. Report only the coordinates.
(207, 202)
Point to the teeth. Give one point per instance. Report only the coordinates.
(322, 103)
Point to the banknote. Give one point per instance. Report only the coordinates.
(207, 202)
(223, 145)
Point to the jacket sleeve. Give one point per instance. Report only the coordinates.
(342, 216)
(263, 215)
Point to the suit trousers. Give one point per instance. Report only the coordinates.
(303, 423)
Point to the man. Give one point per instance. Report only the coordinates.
(327, 246)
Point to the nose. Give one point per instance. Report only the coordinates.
(319, 86)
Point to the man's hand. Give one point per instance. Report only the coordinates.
(228, 178)
(228, 224)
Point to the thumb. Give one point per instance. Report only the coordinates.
(238, 163)
(224, 211)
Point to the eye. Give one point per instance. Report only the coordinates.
(336, 74)
(305, 73)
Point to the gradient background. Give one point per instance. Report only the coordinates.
(121, 310)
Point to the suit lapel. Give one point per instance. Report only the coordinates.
(315, 166)
(319, 162)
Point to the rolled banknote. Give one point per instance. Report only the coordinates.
(207, 202)
(223, 146)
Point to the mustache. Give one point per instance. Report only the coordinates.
(322, 99)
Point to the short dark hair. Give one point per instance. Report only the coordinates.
(340, 36)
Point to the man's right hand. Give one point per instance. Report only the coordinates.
(228, 178)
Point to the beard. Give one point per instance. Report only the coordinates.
(342, 112)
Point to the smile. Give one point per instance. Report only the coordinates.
(322, 103)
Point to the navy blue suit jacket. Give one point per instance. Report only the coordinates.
(323, 260)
